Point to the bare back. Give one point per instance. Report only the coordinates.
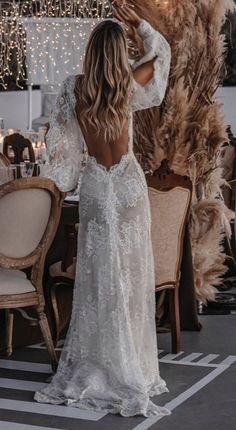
(106, 153)
(110, 153)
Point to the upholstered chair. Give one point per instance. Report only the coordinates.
(170, 197)
(29, 215)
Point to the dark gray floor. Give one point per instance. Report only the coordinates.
(213, 405)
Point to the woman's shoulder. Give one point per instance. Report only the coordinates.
(69, 86)
(71, 80)
(68, 80)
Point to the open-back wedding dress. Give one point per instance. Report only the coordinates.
(110, 359)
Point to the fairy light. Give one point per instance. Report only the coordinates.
(20, 19)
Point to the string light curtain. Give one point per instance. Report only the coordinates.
(52, 34)
(54, 51)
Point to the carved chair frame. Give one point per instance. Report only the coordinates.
(35, 260)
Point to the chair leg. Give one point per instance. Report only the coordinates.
(55, 314)
(175, 320)
(51, 300)
(9, 331)
(44, 326)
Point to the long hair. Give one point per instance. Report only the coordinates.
(105, 87)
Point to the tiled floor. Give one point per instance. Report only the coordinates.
(201, 380)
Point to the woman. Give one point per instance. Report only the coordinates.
(110, 360)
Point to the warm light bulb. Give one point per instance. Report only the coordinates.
(13, 27)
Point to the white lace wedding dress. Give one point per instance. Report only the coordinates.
(110, 359)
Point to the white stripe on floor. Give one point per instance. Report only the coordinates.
(37, 345)
(208, 358)
(228, 361)
(61, 342)
(186, 363)
(173, 404)
(49, 409)
(191, 357)
(42, 347)
(25, 366)
(19, 384)
(172, 356)
(6, 425)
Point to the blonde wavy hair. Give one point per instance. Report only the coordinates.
(104, 89)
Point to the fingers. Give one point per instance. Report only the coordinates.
(121, 15)
(124, 12)
(118, 3)
(122, 5)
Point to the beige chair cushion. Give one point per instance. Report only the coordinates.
(14, 282)
(55, 270)
(24, 216)
(168, 213)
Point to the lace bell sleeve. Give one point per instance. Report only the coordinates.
(155, 46)
(64, 148)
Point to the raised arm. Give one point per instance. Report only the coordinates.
(64, 149)
(151, 72)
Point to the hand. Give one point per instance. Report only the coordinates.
(125, 13)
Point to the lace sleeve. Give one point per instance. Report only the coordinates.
(64, 148)
(155, 45)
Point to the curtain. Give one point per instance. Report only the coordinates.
(55, 47)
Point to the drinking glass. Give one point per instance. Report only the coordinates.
(139, 157)
(26, 169)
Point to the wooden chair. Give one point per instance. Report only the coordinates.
(29, 215)
(7, 172)
(170, 198)
(18, 144)
(4, 161)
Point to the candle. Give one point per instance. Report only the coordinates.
(1, 142)
(36, 150)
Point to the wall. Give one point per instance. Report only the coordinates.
(227, 96)
(14, 108)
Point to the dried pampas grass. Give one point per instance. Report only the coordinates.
(189, 128)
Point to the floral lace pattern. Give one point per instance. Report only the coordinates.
(155, 46)
(110, 359)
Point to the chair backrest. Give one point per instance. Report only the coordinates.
(4, 161)
(170, 198)
(18, 144)
(6, 174)
(29, 215)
